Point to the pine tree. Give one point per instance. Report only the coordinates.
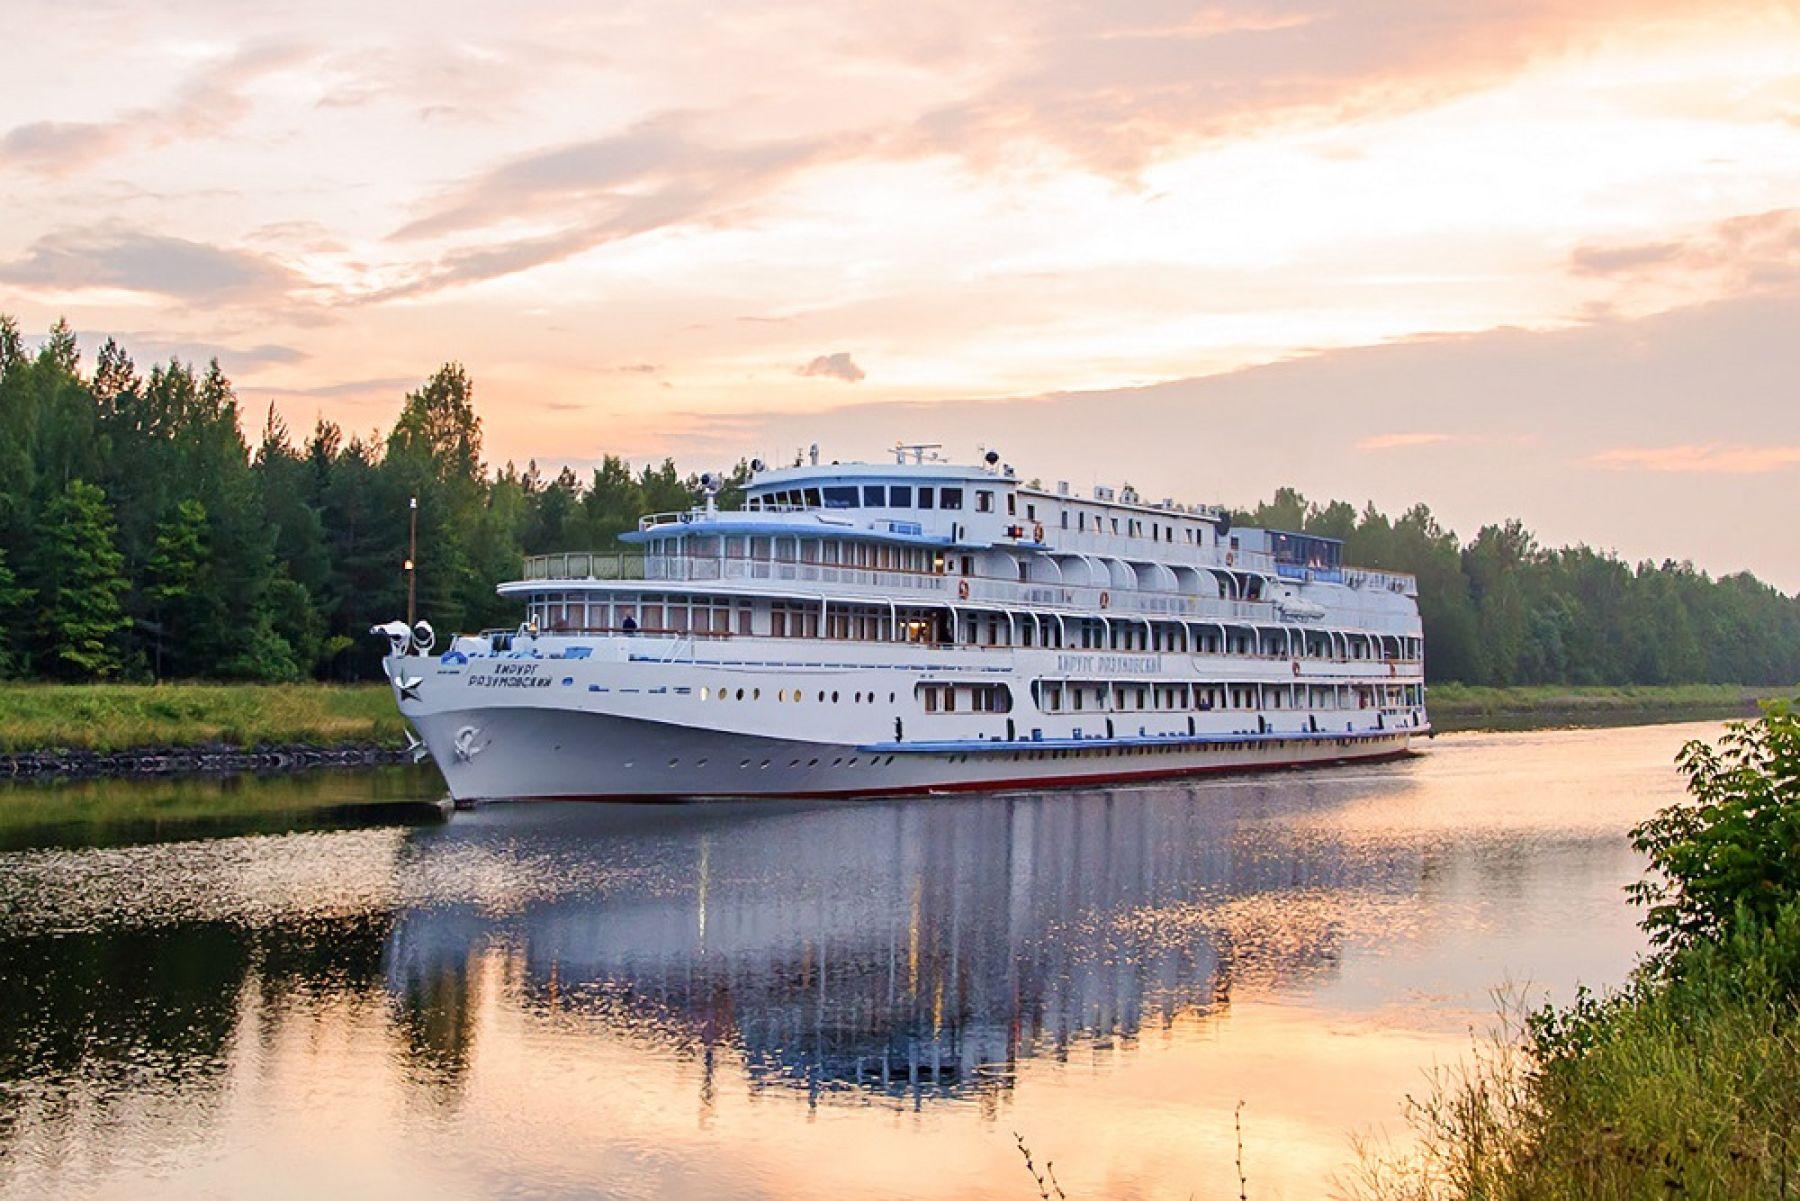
(79, 576)
(12, 347)
(13, 601)
(176, 585)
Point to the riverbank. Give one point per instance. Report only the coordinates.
(1473, 706)
(111, 718)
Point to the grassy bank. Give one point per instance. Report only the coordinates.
(1686, 1082)
(116, 717)
(1472, 704)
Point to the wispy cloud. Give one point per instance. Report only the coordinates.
(211, 101)
(118, 257)
(835, 366)
(1712, 458)
(664, 171)
(1750, 251)
(1402, 441)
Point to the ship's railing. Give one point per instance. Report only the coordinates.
(903, 587)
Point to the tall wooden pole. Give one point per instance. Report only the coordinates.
(412, 564)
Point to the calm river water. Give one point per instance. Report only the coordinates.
(323, 999)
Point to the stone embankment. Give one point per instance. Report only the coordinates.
(215, 759)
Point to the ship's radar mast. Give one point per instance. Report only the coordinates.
(917, 451)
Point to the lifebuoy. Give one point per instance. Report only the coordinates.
(1105, 600)
(1296, 667)
(962, 589)
(1037, 532)
(1230, 558)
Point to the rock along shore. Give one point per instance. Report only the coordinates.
(206, 760)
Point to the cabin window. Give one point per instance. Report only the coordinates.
(926, 498)
(841, 497)
(984, 502)
(900, 496)
(1065, 519)
(950, 498)
(813, 500)
(874, 496)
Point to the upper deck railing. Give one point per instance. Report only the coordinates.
(903, 587)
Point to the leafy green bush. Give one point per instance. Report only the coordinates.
(1735, 843)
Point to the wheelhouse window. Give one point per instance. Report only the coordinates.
(926, 498)
(950, 498)
(874, 496)
(984, 501)
(900, 496)
(841, 497)
(812, 498)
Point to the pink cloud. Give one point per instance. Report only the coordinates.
(1402, 441)
(1712, 458)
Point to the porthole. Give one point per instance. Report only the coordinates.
(765, 763)
(834, 697)
(673, 762)
(793, 763)
(744, 763)
(837, 763)
(890, 698)
(782, 696)
(853, 762)
(721, 694)
(796, 696)
(859, 698)
(756, 694)
(821, 696)
(703, 693)
(740, 694)
(812, 763)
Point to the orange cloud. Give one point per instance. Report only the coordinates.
(1713, 458)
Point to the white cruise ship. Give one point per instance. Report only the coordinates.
(861, 629)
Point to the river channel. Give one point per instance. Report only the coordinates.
(325, 987)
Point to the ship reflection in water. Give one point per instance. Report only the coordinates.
(909, 949)
(669, 1001)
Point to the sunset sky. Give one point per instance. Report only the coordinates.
(1511, 259)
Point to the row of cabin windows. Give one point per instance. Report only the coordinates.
(862, 496)
(1058, 696)
(830, 552)
(909, 496)
(964, 698)
(602, 613)
(577, 612)
(1134, 527)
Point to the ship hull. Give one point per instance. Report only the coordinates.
(519, 752)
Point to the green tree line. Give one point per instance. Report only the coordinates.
(1500, 609)
(143, 536)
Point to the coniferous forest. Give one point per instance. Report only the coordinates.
(142, 536)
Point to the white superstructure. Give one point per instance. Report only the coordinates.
(861, 629)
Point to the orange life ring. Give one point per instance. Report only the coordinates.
(962, 589)
(1037, 532)
(1104, 600)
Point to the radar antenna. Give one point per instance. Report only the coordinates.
(916, 450)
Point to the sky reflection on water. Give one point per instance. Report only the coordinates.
(844, 1000)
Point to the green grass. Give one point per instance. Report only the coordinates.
(1465, 702)
(113, 717)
